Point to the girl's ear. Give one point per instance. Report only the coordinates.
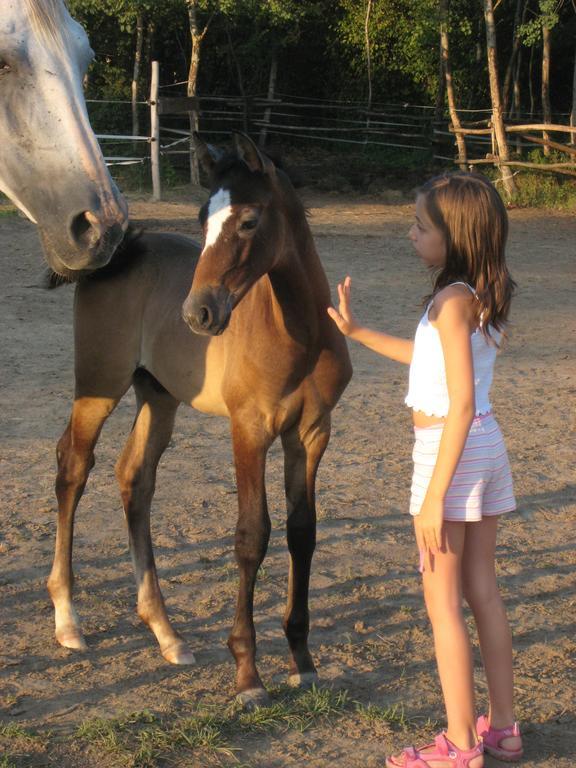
(247, 150)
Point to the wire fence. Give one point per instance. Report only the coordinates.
(413, 129)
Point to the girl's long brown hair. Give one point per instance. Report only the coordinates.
(470, 213)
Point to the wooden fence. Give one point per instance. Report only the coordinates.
(335, 124)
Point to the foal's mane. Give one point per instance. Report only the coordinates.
(47, 19)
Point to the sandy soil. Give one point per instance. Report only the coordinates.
(369, 629)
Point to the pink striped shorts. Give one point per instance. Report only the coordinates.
(482, 483)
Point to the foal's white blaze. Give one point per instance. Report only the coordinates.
(219, 211)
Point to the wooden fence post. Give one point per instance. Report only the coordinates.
(155, 132)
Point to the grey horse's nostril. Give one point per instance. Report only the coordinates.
(85, 230)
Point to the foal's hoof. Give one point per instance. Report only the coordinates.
(72, 638)
(303, 680)
(179, 653)
(253, 698)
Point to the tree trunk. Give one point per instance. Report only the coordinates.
(150, 42)
(271, 92)
(546, 109)
(460, 141)
(516, 98)
(497, 119)
(136, 73)
(439, 106)
(441, 92)
(197, 36)
(511, 68)
(238, 68)
(368, 64)
(573, 112)
(531, 82)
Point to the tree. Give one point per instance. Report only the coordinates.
(511, 79)
(116, 29)
(197, 35)
(540, 28)
(447, 69)
(497, 118)
(573, 110)
(402, 47)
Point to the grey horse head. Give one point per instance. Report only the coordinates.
(51, 166)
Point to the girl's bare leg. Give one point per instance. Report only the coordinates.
(482, 595)
(443, 596)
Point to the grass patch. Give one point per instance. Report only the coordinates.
(142, 739)
(545, 190)
(209, 736)
(296, 710)
(13, 731)
(19, 746)
(372, 713)
(539, 189)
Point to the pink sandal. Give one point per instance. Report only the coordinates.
(492, 739)
(445, 750)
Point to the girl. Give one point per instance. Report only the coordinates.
(461, 482)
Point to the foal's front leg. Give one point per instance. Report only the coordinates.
(304, 446)
(250, 443)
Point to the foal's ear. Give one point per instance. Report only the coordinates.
(207, 154)
(249, 152)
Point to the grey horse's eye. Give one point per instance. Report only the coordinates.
(4, 67)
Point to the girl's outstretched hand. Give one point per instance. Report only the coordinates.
(343, 316)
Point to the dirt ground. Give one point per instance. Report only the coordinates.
(370, 634)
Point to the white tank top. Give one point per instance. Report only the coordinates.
(427, 388)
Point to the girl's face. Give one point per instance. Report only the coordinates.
(426, 238)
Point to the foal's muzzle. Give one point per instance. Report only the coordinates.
(208, 310)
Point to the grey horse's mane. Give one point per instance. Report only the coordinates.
(47, 19)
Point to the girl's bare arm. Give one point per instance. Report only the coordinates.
(453, 323)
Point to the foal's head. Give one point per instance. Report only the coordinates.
(243, 230)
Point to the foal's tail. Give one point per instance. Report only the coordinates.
(130, 248)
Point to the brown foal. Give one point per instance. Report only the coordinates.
(264, 353)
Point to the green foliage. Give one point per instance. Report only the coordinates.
(547, 16)
(540, 189)
(320, 50)
(320, 45)
(545, 190)
(403, 41)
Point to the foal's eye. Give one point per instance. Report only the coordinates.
(248, 225)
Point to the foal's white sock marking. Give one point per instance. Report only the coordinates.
(219, 211)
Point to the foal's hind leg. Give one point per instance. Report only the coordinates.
(75, 454)
(136, 472)
(303, 449)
